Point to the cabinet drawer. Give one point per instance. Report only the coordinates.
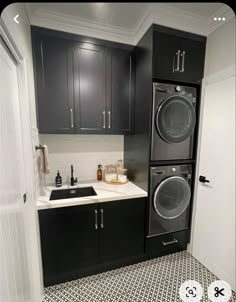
(167, 243)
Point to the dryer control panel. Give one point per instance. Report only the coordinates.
(171, 170)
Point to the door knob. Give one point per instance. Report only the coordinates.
(203, 179)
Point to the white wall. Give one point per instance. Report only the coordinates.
(214, 206)
(85, 152)
(220, 51)
(20, 33)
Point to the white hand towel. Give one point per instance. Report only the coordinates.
(44, 160)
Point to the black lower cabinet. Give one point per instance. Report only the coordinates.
(82, 240)
(167, 243)
(122, 233)
(69, 241)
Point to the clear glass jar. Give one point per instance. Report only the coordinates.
(110, 173)
(122, 175)
(119, 164)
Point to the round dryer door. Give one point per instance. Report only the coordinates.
(172, 197)
(175, 119)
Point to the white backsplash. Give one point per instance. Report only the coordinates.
(85, 152)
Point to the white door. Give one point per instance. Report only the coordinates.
(14, 276)
(214, 224)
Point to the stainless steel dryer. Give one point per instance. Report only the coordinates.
(173, 122)
(170, 196)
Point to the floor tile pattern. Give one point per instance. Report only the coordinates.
(156, 280)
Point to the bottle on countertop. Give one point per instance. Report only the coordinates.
(58, 179)
(99, 172)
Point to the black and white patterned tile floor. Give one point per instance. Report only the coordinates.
(156, 280)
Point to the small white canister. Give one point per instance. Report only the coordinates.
(122, 175)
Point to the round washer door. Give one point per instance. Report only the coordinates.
(175, 119)
(171, 197)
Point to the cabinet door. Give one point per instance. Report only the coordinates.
(89, 87)
(122, 228)
(120, 97)
(54, 84)
(69, 241)
(176, 57)
(192, 60)
(166, 56)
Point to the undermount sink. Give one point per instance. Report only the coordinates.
(72, 193)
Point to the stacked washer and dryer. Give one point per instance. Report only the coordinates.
(172, 139)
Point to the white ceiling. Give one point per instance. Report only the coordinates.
(127, 22)
(124, 15)
(201, 9)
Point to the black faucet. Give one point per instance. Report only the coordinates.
(73, 180)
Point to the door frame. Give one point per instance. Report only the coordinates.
(214, 78)
(15, 52)
(35, 262)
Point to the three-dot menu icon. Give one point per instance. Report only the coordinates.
(219, 19)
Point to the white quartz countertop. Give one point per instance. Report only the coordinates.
(105, 192)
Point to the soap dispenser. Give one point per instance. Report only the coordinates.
(58, 179)
(99, 172)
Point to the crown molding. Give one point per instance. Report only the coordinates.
(158, 13)
(29, 11)
(142, 25)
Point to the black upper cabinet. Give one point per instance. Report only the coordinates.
(178, 55)
(165, 47)
(192, 60)
(54, 85)
(120, 95)
(84, 85)
(89, 87)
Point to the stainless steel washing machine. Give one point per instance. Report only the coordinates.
(170, 197)
(173, 122)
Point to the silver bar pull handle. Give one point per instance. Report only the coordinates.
(169, 242)
(183, 61)
(104, 119)
(71, 118)
(96, 219)
(109, 119)
(174, 62)
(178, 60)
(102, 222)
